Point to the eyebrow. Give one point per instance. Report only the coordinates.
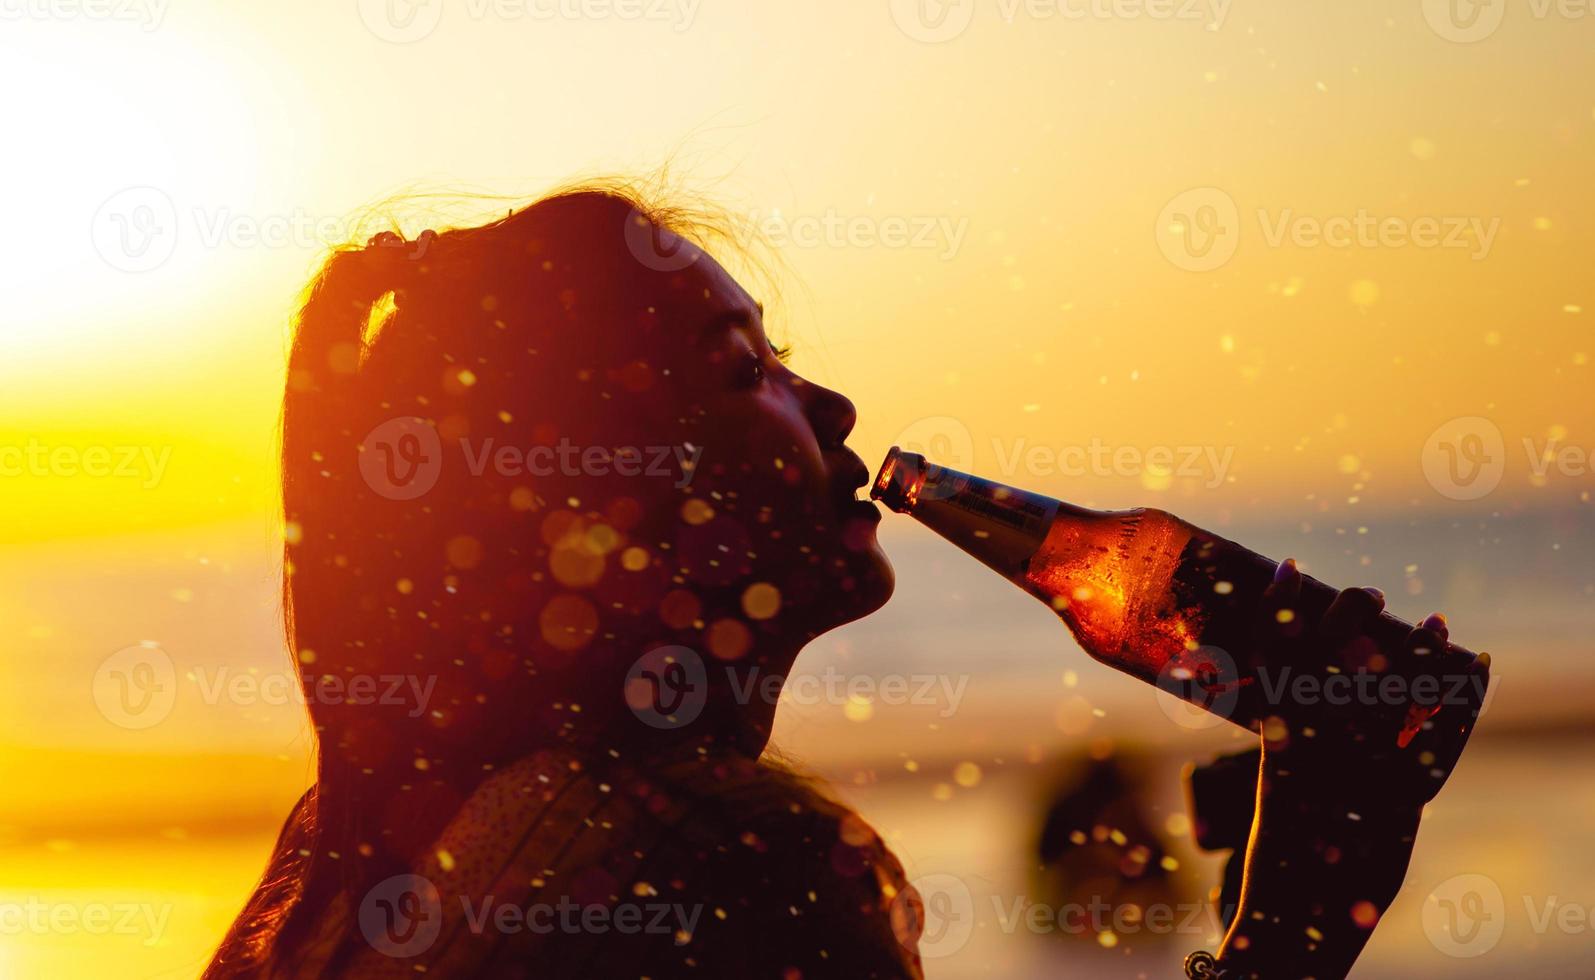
(729, 320)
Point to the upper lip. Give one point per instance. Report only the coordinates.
(852, 473)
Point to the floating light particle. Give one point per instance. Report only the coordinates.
(1285, 616)
(761, 600)
(1364, 292)
(634, 559)
(1422, 148)
(1107, 939)
(523, 499)
(404, 586)
(1223, 588)
(697, 511)
(601, 539)
(967, 775)
(463, 551)
(568, 622)
(728, 639)
(574, 565)
(1349, 464)
(941, 792)
(679, 609)
(1364, 914)
(858, 708)
(445, 859)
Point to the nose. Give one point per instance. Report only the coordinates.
(832, 415)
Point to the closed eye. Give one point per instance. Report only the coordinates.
(750, 371)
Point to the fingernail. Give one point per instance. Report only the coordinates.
(1484, 661)
(1436, 623)
(1376, 593)
(1286, 570)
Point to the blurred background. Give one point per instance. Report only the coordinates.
(1316, 277)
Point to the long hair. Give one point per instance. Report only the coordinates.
(447, 615)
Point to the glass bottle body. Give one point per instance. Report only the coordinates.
(1146, 592)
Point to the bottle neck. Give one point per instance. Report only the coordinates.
(999, 525)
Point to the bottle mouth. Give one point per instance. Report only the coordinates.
(898, 483)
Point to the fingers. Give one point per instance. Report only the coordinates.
(1277, 611)
(1283, 592)
(1436, 623)
(1352, 610)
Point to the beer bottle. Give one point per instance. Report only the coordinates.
(1149, 594)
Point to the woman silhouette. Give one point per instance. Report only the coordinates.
(557, 507)
(557, 512)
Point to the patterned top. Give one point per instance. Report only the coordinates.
(566, 866)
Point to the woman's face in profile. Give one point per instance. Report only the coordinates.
(773, 453)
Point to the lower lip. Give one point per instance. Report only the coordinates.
(865, 509)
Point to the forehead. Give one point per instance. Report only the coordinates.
(700, 291)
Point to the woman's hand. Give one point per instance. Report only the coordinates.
(1390, 734)
(1342, 784)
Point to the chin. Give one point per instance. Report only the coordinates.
(874, 581)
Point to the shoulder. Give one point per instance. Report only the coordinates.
(714, 866)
